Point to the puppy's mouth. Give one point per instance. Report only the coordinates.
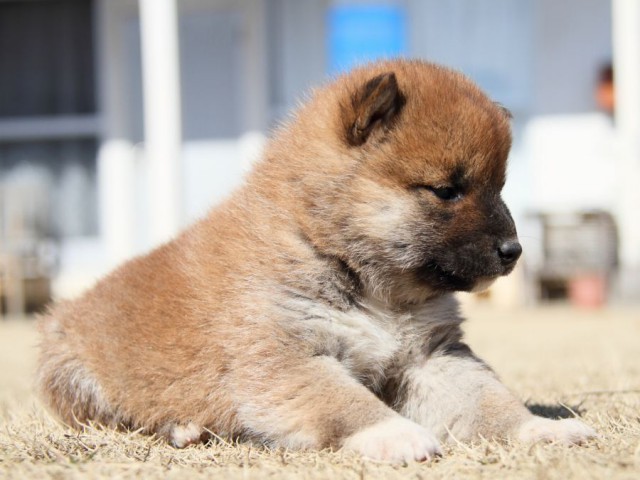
(440, 278)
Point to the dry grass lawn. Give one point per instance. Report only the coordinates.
(559, 360)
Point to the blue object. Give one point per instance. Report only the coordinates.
(362, 33)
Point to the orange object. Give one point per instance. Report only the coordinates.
(588, 291)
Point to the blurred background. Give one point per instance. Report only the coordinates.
(122, 121)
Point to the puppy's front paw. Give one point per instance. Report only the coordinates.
(569, 431)
(395, 440)
(183, 436)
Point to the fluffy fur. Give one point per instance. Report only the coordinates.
(314, 307)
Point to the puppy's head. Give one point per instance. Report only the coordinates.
(411, 197)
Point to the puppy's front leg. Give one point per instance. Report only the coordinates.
(454, 393)
(316, 403)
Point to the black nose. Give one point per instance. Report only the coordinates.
(509, 251)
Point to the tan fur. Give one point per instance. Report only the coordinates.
(313, 308)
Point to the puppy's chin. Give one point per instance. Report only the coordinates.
(483, 284)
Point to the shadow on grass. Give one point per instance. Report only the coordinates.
(556, 411)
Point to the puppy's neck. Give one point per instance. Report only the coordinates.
(402, 300)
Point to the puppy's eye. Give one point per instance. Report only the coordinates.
(446, 193)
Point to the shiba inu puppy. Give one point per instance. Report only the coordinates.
(314, 307)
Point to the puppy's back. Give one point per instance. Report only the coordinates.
(117, 348)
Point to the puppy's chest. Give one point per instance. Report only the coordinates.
(366, 340)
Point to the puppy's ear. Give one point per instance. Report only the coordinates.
(374, 105)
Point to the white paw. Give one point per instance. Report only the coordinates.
(396, 440)
(182, 436)
(568, 431)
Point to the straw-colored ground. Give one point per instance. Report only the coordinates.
(557, 359)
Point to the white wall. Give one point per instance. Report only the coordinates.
(572, 40)
(567, 144)
(489, 41)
